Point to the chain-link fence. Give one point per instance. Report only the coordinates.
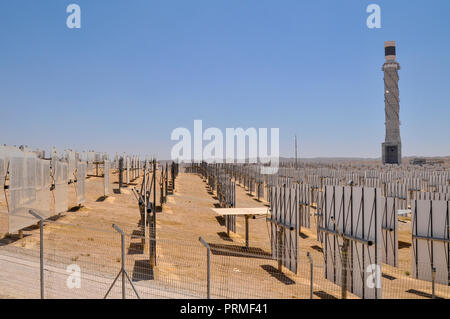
(83, 262)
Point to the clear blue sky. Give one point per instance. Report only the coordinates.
(138, 69)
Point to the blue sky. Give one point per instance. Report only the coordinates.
(138, 69)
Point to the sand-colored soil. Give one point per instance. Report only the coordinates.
(85, 237)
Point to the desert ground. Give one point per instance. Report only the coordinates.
(84, 237)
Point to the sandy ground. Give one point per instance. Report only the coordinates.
(84, 237)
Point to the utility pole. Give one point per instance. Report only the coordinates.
(296, 151)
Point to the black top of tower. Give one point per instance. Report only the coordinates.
(390, 50)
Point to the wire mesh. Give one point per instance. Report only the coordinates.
(82, 262)
(83, 255)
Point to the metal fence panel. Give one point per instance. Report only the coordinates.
(81, 183)
(353, 215)
(430, 245)
(106, 172)
(43, 184)
(60, 174)
(22, 190)
(284, 221)
(128, 169)
(2, 170)
(390, 231)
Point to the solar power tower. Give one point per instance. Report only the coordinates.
(392, 146)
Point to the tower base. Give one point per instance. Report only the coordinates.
(391, 153)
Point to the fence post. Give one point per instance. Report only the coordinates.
(122, 239)
(280, 248)
(344, 253)
(433, 279)
(120, 173)
(122, 271)
(208, 265)
(41, 249)
(246, 230)
(311, 271)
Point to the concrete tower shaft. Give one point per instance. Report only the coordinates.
(392, 101)
(391, 148)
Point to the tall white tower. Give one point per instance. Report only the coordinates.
(392, 146)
